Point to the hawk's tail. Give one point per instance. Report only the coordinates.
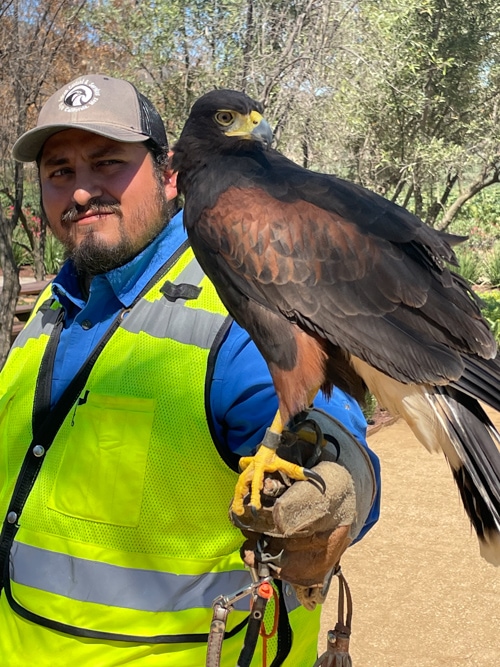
(472, 449)
(450, 419)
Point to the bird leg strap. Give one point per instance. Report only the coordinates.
(216, 634)
(337, 650)
(266, 460)
(222, 605)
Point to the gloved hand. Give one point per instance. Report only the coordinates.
(310, 530)
(306, 530)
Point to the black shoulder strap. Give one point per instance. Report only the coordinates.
(47, 421)
(46, 424)
(230, 458)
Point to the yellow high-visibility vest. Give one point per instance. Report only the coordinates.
(124, 541)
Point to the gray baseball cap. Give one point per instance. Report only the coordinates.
(113, 108)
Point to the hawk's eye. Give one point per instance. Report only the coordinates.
(224, 117)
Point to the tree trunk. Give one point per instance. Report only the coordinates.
(10, 288)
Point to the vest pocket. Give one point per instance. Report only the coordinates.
(101, 475)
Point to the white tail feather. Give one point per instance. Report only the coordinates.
(442, 422)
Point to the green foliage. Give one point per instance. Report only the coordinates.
(470, 265)
(20, 247)
(478, 265)
(422, 101)
(369, 406)
(400, 95)
(175, 50)
(479, 219)
(491, 311)
(54, 253)
(492, 266)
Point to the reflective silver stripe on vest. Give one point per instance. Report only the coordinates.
(42, 323)
(192, 274)
(102, 583)
(167, 319)
(164, 319)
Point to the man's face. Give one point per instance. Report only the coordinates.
(103, 199)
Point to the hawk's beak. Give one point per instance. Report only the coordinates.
(263, 133)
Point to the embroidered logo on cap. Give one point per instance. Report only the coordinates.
(80, 96)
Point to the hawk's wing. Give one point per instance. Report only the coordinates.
(370, 278)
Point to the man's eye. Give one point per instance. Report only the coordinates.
(224, 117)
(60, 172)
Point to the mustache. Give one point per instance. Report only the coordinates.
(93, 206)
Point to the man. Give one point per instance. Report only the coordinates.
(125, 405)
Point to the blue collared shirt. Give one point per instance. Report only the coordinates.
(241, 386)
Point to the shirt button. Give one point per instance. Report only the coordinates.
(86, 324)
(12, 517)
(38, 450)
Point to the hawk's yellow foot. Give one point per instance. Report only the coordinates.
(255, 467)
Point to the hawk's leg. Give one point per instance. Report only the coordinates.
(265, 461)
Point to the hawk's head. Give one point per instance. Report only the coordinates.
(221, 118)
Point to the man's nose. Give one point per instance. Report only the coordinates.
(87, 187)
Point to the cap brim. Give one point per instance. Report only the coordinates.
(28, 146)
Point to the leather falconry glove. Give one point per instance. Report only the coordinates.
(301, 532)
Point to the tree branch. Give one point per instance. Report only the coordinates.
(482, 183)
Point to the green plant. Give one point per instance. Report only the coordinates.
(479, 219)
(54, 253)
(491, 311)
(492, 266)
(369, 406)
(21, 247)
(469, 264)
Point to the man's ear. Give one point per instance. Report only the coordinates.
(170, 178)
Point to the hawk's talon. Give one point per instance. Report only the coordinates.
(252, 478)
(235, 520)
(315, 477)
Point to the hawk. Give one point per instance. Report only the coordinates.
(338, 286)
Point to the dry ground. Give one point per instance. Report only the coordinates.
(422, 595)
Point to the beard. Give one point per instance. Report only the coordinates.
(94, 256)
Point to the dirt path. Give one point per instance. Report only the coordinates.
(422, 595)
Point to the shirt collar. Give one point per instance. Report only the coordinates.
(127, 281)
